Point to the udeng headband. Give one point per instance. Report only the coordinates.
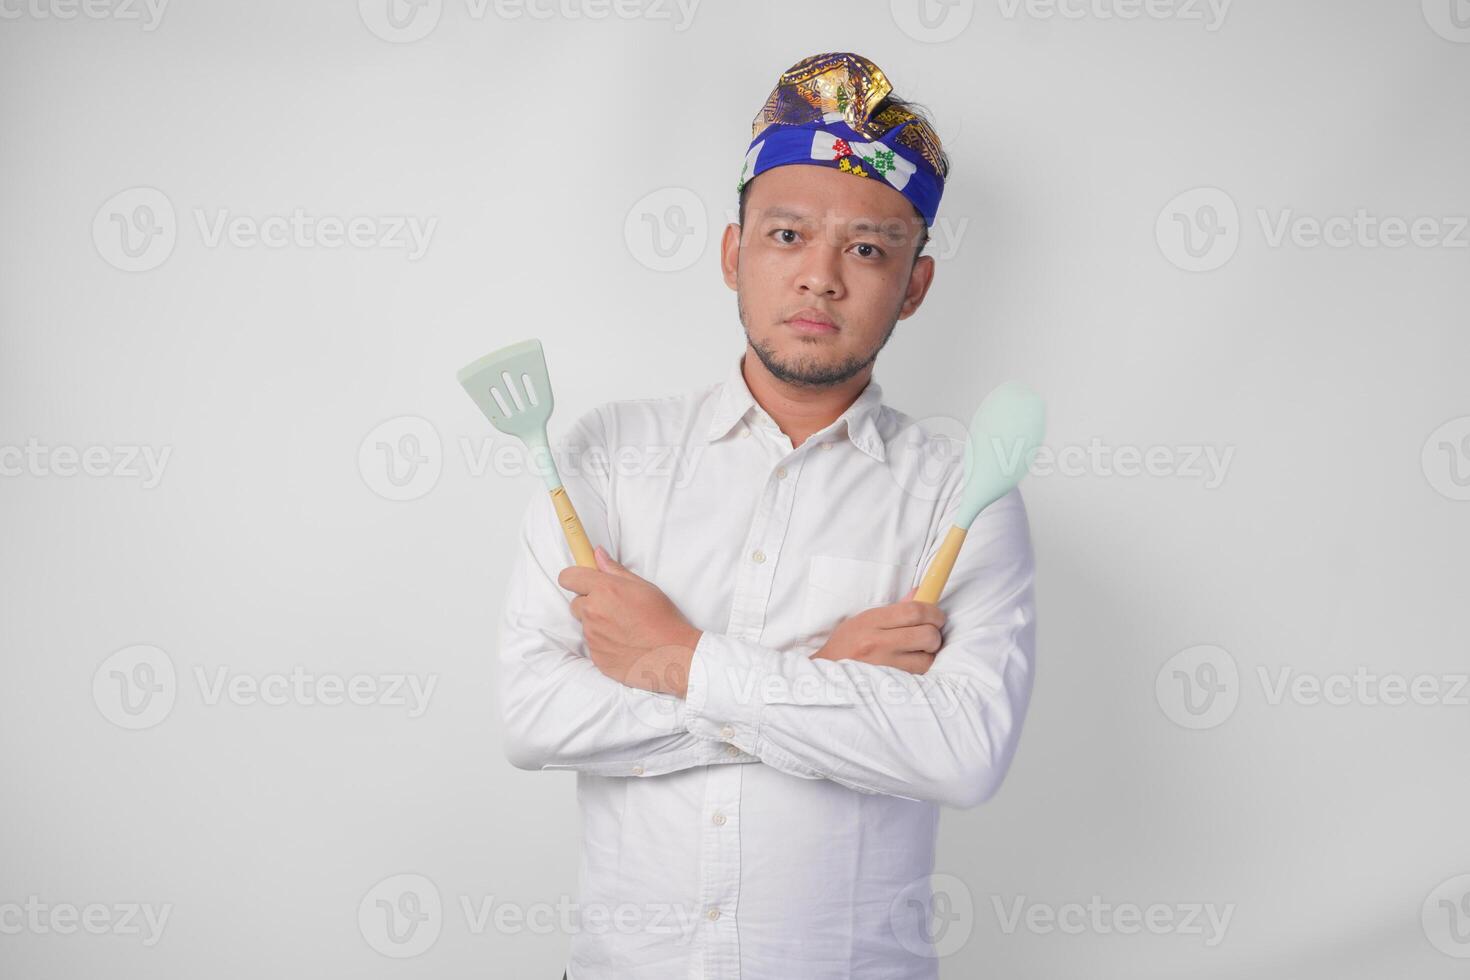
(821, 112)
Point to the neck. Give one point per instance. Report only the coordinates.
(797, 409)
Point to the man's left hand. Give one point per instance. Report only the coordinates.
(635, 634)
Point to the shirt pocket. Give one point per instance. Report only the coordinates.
(838, 588)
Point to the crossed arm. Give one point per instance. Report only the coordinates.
(560, 710)
(664, 697)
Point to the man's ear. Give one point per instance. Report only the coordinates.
(730, 254)
(921, 277)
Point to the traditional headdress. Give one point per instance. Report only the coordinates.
(821, 112)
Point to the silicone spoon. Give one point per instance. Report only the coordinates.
(1007, 428)
(491, 381)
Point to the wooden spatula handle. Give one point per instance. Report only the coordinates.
(571, 525)
(933, 582)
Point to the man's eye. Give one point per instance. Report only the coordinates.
(785, 231)
(875, 252)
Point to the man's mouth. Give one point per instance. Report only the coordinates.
(813, 321)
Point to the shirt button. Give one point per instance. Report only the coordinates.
(719, 819)
(757, 556)
(714, 914)
(732, 750)
(826, 445)
(745, 433)
(727, 732)
(780, 472)
(637, 770)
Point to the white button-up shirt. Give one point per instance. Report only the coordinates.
(779, 822)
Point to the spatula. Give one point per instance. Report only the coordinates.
(512, 388)
(1007, 428)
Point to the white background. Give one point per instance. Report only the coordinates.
(545, 151)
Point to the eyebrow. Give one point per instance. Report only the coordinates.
(857, 225)
(784, 213)
(867, 224)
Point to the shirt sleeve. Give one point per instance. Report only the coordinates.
(558, 710)
(946, 736)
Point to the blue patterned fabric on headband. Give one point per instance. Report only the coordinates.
(821, 112)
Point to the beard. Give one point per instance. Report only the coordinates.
(811, 371)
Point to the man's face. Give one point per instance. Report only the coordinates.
(817, 239)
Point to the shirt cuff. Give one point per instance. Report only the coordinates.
(732, 681)
(716, 704)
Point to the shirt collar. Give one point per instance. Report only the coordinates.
(859, 421)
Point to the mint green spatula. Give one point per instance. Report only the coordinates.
(1008, 427)
(492, 381)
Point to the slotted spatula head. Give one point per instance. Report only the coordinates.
(1004, 435)
(512, 387)
(517, 374)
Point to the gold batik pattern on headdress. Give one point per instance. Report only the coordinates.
(852, 86)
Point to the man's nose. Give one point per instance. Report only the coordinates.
(821, 271)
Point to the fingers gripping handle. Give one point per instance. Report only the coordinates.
(933, 582)
(571, 525)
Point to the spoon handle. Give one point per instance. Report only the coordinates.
(933, 582)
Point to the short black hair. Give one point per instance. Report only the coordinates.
(889, 102)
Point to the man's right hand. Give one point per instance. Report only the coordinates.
(904, 634)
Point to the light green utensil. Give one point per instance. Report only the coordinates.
(1004, 435)
(512, 388)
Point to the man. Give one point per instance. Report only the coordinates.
(762, 721)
